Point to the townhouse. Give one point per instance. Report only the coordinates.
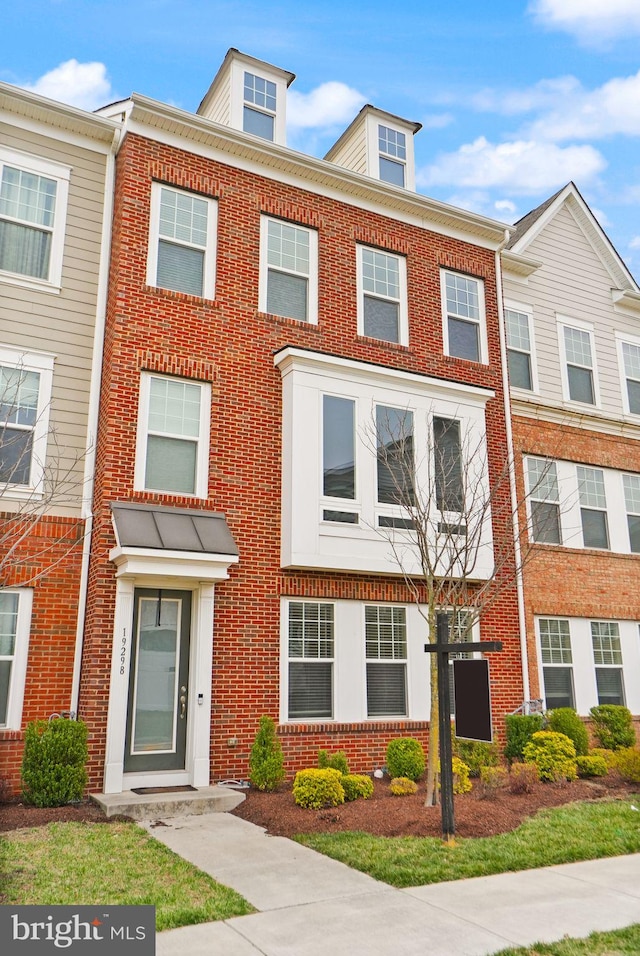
(572, 314)
(56, 180)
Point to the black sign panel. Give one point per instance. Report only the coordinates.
(473, 703)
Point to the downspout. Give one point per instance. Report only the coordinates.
(94, 412)
(522, 621)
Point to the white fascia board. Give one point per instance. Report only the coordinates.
(66, 124)
(198, 566)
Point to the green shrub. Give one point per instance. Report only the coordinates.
(356, 785)
(523, 777)
(613, 726)
(337, 761)
(609, 756)
(315, 788)
(266, 764)
(628, 764)
(405, 758)
(476, 754)
(553, 754)
(403, 787)
(591, 765)
(520, 729)
(54, 762)
(492, 779)
(565, 720)
(461, 782)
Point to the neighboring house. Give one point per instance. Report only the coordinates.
(265, 306)
(56, 174)
(572, 314)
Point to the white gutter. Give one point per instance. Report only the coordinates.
(522, 621)
(94, 410)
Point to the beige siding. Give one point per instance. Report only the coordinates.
(220, 109)
(353, 151)
(63, 323)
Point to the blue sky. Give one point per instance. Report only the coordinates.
(516, 97)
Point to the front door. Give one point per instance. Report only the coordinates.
(159, 681)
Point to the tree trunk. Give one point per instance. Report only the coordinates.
(432, 797)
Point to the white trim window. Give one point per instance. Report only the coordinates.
(464, 629)
(15, 621)
(173, 436)
(339, 459)
(544, 501)
(25, 396)
(182, 234)
(607, 658)
(579, 376)
(386, 660)
(557, 662)
(310, 657)
(629, 355)
(33, 209)
(288, 270)
(382, 295)
(463, 316)
(520, 349)
(259, 109)
(593, 507)
(631, 485)
(392, 147)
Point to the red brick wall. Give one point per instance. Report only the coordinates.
(230, 344)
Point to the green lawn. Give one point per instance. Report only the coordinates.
(619, 942)
(578, 831)
(117, 863)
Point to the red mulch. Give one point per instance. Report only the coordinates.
(13, 816)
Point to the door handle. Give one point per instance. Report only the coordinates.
(183, 702)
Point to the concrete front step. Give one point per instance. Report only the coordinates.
(154, 806)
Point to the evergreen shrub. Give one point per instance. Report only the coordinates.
(553, 754)
(565, 720)
(523, 777)
(266, 763)
(403, 787)
(337, 761)
(591, 765)
(476, 754)
(316, 788)
(356, 785)
(628, 764)
(405, 758)
(613, 726)
(520, 729)
(54, 762)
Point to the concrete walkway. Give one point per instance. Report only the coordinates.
(310, 905)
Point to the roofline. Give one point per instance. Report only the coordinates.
(71, 118)
(383, 114)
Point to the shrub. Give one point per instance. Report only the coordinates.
(54, 762)
(523, 777)
(591, 765)
(608, 756)
(266, 764)
(315, 789)
(628, 764)
(565, 720)
(403, 787)
(553, 754)
(476, 754)
(356, 785)
(613, 726)
(461, 782)
(492, 779)
(337, 761)
(405, 758)
(520, 729)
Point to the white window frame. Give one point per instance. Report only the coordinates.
(42, 363)
(564, 665)
(202, 455)
(312, 276)
(209, 262)
(633, 513)
(61, 174)
(399, 661)
(402, 302)
(302, 659)
(537, 495)
(481, 322)
(616, 665)
(526, 310)
(585, 506)
(19, 659)
(624, 339)
(392, 157)
(563, 322)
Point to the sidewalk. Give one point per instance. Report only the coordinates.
(310, 905)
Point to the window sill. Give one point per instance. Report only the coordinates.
(288, 320)
(175, 294)
(394, 346)
(27, 282)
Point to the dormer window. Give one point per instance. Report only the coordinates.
(259, 106)
(392, 145)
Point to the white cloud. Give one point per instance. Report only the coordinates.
(330, 104)
(610, 109)
(437, 120)
(79, 84)
(635, 243)
(542, 95)
(525, 166)
(505, 206)
(591, 20)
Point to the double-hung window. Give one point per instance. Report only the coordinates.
(593, 507)
(182, 241)
(259, 108)
(382, 296)
(607, 657)
(311, 655)
(338, 460)
(544, 501)
(289, 270)
(15, 617)
(630, 354)
(519, 350)
(557, 662)
(579, 373)
(392, 146)
(463, 316)
(386, 655)
(173, 436)
(25, 393)
(631, 484)
(33, 205)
